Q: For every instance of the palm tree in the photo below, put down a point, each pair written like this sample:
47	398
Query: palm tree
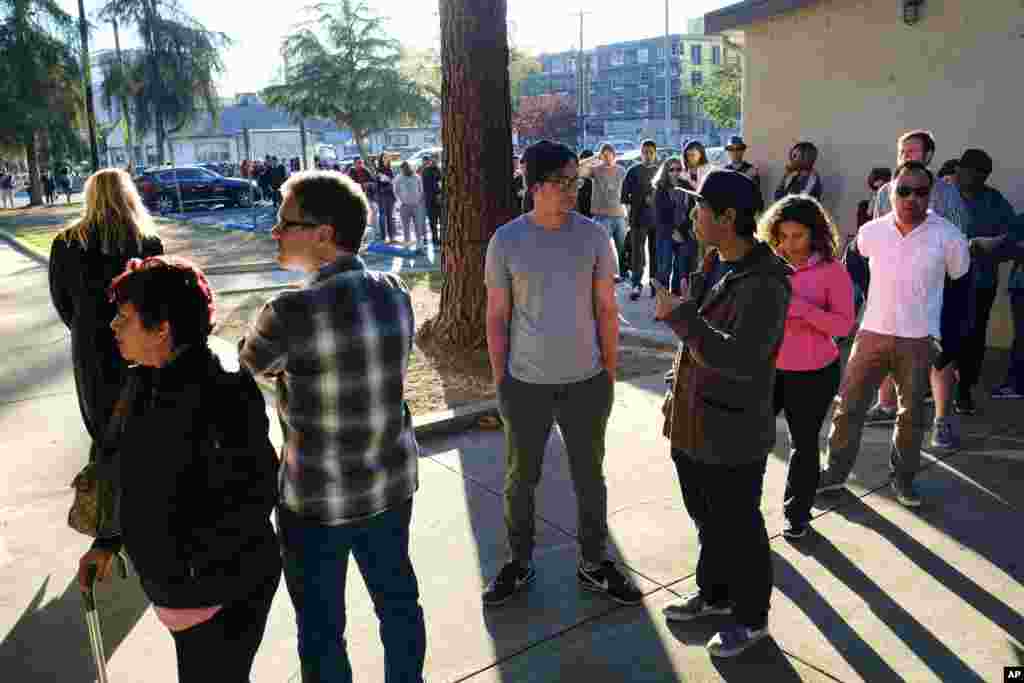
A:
182	60
40	80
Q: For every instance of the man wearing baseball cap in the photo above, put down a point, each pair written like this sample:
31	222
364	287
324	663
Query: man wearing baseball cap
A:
991	217
719	413
737	149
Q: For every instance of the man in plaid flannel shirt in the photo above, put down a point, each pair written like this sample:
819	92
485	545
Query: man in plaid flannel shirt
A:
339	350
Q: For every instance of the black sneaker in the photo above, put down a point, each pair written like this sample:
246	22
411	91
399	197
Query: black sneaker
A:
512	578
610	581
794	531
964	405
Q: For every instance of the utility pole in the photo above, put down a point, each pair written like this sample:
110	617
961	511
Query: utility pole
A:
581	85
668	82
90	110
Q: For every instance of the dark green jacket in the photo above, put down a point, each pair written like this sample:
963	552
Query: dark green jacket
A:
719	410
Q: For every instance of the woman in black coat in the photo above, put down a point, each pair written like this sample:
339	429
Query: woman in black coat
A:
192	475
84	258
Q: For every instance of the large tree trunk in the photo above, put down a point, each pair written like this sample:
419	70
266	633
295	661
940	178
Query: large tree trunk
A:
35	191
476	116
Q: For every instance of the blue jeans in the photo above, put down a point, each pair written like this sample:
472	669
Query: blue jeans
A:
616	227
675	259
315	565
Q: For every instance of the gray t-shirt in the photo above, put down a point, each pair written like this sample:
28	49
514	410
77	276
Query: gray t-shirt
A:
607	193
553	332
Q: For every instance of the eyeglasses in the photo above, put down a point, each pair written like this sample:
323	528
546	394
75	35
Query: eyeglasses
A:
905	191
564	182
675	169
284	225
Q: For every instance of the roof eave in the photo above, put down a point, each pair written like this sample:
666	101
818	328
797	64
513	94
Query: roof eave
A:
749	12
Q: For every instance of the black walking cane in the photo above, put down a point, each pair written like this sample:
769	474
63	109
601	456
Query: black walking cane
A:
92	617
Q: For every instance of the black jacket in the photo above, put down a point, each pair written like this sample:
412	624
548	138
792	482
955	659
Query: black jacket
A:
431	184
638	193
584	196
197	478
78	288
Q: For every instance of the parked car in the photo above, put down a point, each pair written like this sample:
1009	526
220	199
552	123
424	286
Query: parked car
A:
159	188
717	156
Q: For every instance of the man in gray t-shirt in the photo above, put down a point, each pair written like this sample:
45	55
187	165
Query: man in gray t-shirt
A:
552	337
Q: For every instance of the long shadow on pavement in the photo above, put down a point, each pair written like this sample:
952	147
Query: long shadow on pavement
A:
534	635
49	642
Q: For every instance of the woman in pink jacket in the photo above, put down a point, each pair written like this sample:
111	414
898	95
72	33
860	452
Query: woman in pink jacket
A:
807	368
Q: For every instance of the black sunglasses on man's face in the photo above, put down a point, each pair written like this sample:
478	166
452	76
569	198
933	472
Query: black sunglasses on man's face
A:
905	191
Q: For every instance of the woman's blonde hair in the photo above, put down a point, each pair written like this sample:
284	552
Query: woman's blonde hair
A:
114	214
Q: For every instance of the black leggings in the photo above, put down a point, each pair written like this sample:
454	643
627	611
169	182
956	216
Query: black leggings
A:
222	649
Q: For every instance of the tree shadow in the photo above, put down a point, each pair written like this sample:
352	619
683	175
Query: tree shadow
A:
50	642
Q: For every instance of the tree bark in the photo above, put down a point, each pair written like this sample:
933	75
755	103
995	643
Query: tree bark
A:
129	138
476	124
35	191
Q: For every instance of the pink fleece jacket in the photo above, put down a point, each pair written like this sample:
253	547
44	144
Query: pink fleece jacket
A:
820	308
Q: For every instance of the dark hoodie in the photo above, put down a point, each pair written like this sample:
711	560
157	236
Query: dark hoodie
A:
719	410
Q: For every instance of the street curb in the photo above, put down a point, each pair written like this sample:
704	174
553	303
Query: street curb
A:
235	268
444	422
23	248
648	337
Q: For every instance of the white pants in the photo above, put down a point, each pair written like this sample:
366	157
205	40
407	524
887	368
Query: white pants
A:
7	199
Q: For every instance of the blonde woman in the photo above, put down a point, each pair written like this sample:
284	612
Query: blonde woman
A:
85	257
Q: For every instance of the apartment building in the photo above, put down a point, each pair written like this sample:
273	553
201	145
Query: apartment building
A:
622	85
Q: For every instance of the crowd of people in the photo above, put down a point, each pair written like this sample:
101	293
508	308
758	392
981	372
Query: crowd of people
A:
54	183
758	298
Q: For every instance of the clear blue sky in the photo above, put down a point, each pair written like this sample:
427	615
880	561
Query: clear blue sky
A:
257	28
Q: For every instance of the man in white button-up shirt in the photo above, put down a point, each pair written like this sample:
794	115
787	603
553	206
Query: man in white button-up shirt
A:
911	251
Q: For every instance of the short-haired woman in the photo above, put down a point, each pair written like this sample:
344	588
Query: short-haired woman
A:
676	248
193	475
113	228
807	367
801	178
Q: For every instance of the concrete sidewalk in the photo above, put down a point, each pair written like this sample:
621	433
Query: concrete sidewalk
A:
877	593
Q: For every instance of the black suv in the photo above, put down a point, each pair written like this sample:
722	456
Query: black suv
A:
159	188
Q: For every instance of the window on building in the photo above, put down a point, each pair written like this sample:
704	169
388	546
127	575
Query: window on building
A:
695	54
645	76
661	53
617	82
618	57
619	105
641	55
676	48
716	54
593	63
642	106
696	78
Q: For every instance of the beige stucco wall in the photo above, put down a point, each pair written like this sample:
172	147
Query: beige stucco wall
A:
850	76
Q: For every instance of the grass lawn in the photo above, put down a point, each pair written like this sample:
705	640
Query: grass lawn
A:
37	239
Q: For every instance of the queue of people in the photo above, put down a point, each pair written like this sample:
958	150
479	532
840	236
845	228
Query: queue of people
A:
756	298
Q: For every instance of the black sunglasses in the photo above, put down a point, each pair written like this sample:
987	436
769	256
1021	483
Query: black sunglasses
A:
905	191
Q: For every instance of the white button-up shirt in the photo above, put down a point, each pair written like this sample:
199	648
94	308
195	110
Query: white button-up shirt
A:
908	274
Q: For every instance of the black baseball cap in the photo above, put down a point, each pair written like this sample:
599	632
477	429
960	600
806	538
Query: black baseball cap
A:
736	142
727	190
977	159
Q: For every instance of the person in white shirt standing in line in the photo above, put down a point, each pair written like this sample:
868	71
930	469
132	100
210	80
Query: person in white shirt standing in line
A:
409	189
911	250
945	200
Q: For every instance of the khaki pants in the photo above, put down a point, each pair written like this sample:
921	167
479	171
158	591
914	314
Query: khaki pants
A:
873	357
